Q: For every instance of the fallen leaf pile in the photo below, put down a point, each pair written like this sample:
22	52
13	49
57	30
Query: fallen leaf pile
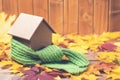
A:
103	51
105	48
87	42
5	24
38	73
114	74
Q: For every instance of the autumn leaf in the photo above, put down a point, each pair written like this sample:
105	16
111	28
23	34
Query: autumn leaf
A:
82	43
36	73
57	39
117	49
5	24
84	77
92	70
4	63
109	57
110	35
107	46
14	67
4	51
104	67
114	74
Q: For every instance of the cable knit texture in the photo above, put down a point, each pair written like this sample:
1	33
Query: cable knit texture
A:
50	56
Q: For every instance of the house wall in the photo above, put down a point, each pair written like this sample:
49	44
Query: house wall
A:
68	16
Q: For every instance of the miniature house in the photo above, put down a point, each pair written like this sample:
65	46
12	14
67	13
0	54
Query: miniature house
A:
32	31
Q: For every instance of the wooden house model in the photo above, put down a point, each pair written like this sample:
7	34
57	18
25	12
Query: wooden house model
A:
32	31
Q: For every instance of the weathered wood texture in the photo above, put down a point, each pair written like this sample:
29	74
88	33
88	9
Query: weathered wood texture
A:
0	5
100	16
41	8
56	15
70	16
10	7
86	14
114	14
25	6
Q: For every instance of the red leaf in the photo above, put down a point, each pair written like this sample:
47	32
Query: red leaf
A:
29	72
35	69
62	45
35	77
55	73
107	46
28	77
36	73
45	76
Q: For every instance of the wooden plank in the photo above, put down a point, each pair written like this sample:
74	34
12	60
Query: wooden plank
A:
0	5
56	15
25	6
100	16
114	12
115	5
41	8
65	25
85	16
114	22
70	16
10	7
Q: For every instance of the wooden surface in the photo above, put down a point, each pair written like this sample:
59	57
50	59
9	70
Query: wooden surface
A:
41	8
25	6
86	16
100	16
70	16
10	7
0	5
56	15
114	21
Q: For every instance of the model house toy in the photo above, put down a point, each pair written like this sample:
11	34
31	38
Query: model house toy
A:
32	31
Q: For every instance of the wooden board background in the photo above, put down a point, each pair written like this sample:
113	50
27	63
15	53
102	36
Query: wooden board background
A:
114	15
70	16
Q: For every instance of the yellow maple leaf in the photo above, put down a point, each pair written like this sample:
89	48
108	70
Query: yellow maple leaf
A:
92	70
57	39
4	62
116	69
107	57
4	51
114	74
117	49
75	78
84	76
5	24
111	35
14	67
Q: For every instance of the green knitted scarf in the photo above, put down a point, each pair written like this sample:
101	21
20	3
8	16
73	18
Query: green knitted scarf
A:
50	56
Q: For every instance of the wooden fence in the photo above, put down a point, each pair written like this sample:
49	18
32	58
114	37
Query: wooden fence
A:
66	16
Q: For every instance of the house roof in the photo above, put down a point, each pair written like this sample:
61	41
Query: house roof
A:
25	26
